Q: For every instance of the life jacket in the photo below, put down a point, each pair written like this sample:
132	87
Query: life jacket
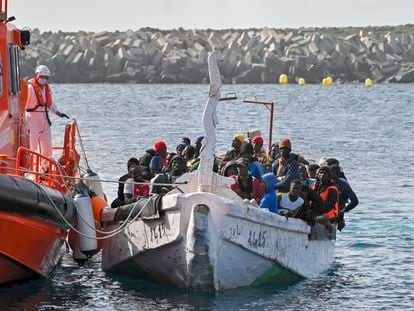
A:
333	213
41	102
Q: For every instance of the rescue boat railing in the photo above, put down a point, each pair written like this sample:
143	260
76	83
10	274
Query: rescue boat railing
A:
36	164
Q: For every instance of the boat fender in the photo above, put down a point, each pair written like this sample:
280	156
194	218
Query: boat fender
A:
93	182
77	255
85	224
98	204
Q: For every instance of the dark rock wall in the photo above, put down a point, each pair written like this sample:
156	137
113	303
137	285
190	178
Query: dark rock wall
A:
384	54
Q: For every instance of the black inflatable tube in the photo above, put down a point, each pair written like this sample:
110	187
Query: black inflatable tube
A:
21	196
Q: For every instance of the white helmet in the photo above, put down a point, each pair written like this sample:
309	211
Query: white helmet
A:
42	70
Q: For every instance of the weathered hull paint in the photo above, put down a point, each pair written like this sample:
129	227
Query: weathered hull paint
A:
203	241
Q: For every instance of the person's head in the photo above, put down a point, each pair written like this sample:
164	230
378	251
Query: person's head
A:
180	149
132	161
303	173
243	167
135	172
156	165
257	142
332	161
189	152
335	171
295	188
229	169
246	151
42	74
324	175
186	141
274	150
312	169
178	166
170	156
237	141
160	147
146	158
285	147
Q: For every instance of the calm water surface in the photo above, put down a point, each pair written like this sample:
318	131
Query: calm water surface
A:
369	130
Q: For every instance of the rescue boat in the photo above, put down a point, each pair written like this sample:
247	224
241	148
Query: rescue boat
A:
37	209
203	236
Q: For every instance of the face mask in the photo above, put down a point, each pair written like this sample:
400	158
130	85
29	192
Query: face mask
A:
42	81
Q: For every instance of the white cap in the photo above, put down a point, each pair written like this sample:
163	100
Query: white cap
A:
42	70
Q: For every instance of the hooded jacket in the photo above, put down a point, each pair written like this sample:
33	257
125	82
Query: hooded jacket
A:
269	200
290	171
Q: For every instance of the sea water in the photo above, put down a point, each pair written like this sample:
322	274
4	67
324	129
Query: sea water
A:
369	130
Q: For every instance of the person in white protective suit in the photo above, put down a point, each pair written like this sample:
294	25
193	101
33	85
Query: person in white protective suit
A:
39	103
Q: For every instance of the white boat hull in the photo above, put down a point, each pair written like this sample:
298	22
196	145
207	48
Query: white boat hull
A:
203	241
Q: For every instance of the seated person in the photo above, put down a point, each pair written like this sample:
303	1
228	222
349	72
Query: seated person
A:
269	199
134	186
177	167
256	168
347	197
159	177
286	168
180	149
289	203
246	186
236	144
259	153
328	192
229	169
120	200
273	156
144	162
188	154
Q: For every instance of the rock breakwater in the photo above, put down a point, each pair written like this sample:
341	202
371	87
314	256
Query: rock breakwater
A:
384	54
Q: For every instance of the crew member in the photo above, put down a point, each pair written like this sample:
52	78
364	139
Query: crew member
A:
39	103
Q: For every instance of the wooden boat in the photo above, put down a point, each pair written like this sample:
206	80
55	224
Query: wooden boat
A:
36	209
202	235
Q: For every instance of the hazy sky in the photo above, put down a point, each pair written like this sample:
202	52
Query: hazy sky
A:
94	15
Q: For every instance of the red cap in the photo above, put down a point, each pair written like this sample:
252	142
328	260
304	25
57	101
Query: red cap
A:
160	145
258	139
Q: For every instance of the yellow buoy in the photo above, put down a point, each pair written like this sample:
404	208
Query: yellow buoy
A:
329	80
324	82
301	81
368	82
283	79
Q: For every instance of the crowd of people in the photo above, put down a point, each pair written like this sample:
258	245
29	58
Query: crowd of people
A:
278	180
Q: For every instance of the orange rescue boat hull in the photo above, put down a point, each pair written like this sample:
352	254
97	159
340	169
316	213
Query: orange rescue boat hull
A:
28	247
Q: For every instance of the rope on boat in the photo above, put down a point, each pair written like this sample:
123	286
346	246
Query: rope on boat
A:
108	234
81	145
91	179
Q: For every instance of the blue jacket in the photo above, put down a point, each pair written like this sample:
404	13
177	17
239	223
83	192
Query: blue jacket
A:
269	200
346	194
290	171
257	170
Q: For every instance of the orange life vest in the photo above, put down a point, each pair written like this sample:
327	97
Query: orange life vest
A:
39	94
333	213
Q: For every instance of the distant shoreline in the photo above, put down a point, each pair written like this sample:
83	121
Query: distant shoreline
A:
149	55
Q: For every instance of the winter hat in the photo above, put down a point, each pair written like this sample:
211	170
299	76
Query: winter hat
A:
258	139
156	163
239	137
160	145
